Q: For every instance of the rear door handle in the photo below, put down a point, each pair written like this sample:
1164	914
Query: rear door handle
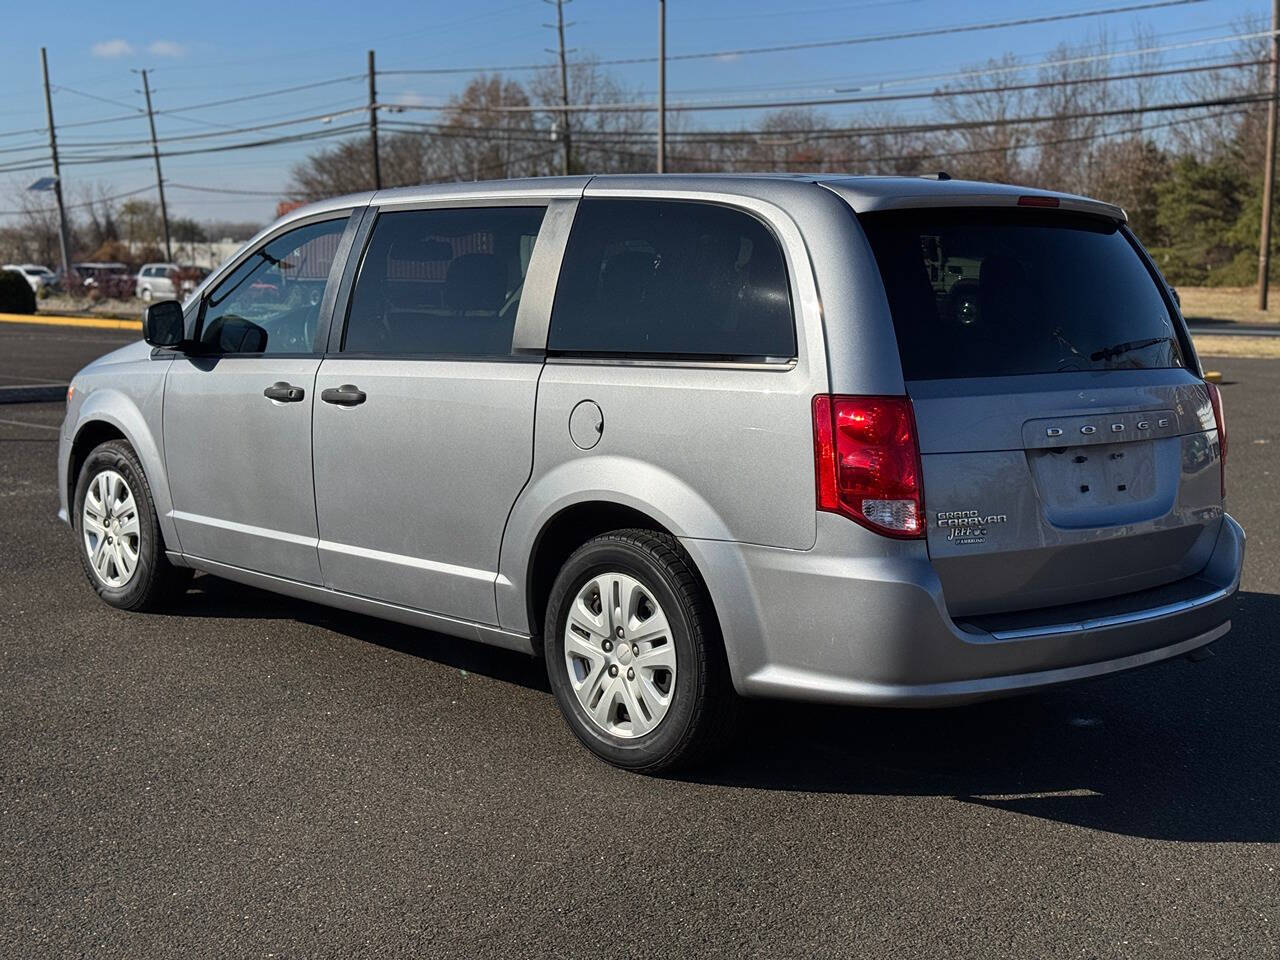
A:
284	392
347	395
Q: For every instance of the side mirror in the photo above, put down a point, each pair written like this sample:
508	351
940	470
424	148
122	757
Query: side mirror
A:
163	324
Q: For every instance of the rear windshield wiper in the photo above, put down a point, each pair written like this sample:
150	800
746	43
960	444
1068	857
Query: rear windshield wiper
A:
1108	353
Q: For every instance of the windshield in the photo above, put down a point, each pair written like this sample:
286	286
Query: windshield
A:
998	292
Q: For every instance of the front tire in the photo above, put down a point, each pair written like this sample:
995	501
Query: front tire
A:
634	654
118	533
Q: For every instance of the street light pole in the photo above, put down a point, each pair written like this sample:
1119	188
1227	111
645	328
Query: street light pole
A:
57	174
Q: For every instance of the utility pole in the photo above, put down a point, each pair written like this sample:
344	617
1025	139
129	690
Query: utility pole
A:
1268	177
57	175
662	86
564	89
373	123
155	152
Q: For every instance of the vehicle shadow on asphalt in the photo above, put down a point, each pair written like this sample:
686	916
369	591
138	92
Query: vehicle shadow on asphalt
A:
212	596
1178	751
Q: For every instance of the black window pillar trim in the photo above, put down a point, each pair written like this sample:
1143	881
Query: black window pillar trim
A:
360	228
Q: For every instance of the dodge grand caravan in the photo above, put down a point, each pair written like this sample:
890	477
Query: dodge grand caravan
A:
891	441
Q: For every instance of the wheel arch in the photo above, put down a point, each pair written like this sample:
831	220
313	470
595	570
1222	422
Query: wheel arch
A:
90	434
572	504
562	534
111	414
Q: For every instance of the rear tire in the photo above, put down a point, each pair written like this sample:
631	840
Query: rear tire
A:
634	654
118	534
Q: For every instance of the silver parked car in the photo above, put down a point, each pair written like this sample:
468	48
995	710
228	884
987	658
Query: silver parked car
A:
887	441
166	281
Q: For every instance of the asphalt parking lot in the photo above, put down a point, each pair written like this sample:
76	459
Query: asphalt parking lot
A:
252	776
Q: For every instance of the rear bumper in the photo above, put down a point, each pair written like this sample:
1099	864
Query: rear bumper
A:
859	619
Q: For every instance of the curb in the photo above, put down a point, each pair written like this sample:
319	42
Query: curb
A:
49	320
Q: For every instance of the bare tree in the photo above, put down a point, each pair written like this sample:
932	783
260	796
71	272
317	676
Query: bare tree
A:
101	216
488	134
33	235
988	146
603	140
406	158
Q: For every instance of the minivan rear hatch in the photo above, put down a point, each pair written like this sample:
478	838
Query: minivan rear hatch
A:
1067	444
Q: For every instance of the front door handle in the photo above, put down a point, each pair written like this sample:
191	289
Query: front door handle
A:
284	392
347	395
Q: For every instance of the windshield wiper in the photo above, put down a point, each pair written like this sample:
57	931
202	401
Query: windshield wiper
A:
1109	353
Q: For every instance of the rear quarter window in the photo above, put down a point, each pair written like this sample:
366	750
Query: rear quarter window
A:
997	292
663	278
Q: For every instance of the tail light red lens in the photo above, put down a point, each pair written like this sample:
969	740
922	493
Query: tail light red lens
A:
1215	398
868	462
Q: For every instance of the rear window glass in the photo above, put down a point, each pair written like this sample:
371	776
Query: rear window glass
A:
669	278
985	293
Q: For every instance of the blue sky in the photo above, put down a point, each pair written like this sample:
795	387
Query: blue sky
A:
202	52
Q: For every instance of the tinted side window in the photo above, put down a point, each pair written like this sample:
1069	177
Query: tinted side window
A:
672	278
271	302
442	282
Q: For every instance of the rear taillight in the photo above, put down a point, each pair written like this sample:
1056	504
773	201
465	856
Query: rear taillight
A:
868	462
1215	398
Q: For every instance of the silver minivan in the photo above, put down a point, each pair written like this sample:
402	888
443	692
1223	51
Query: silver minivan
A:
889	441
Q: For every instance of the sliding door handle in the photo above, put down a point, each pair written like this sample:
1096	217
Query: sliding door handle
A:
284	392
346	395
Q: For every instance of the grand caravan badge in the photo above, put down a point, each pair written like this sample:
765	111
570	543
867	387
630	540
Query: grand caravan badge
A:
968	526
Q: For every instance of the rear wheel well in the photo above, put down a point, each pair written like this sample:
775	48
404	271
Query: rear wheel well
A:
91	435
566	532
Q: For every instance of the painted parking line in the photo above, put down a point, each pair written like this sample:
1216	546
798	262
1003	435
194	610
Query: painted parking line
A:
50	320
25	423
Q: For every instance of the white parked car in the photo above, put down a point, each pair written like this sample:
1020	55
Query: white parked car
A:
35	275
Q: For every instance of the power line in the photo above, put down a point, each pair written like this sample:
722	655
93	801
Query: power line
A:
267	93
248	193
710	136
706	136
746	134
753	138
979	151
984	71
819	44
687	107
77	206
219	148
174	111
60	88
184	137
